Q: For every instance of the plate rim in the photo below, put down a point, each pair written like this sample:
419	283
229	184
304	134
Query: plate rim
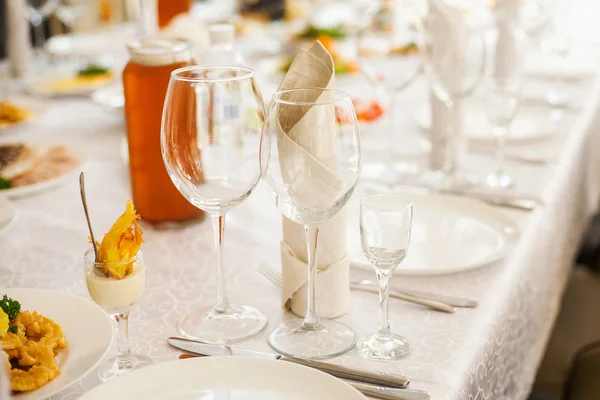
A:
488	261
201	360
85	373
15	214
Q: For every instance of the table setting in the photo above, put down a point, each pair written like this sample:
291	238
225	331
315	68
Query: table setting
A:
201	226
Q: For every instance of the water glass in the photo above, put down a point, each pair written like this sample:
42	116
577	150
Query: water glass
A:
310	158
385	227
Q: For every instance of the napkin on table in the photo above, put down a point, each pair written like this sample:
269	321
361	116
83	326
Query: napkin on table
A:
312	68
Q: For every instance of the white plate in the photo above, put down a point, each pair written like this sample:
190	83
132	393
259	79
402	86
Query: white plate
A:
110	97
231	378
528	126
87	328
8	215
36	84
35	106
29	190
449	234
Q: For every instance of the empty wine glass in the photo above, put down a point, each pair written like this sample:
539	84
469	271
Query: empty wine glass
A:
310	158
390	56
455	54
502	96
210	145
69	11
385	227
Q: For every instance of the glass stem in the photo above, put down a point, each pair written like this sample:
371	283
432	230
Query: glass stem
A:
391	129
500	133
218	224
124	356
383	280
311	319
38	30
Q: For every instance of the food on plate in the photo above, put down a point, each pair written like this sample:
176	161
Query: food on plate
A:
366	111
313	32
341	64
90	77
406	50
11	114
121	278
30	342
22	164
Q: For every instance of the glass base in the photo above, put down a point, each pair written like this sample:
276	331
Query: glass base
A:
374	347
209	326
498	181
398	173
441	180
112	367
330	340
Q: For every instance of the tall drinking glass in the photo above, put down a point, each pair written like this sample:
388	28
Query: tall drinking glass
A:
385	226
37	12
210	144
455	55
390	50
310	158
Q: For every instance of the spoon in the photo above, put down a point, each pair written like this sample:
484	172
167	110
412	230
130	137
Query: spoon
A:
87	214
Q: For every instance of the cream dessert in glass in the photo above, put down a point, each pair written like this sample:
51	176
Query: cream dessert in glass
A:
117	297
115	279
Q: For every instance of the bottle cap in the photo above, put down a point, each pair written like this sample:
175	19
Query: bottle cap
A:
221	34
159	51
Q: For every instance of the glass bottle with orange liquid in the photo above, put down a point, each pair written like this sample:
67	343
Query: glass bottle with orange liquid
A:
145	82
169	9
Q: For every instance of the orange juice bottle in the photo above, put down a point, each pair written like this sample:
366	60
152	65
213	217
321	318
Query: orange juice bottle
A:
168	9
145	82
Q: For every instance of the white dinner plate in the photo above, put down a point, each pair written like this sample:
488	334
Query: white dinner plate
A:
449	234
110	97
231	378
87	329
50	184
530	125
37	85
8	215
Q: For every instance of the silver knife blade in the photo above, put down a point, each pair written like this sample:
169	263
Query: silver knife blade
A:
205	349
383	393
517	202
375	378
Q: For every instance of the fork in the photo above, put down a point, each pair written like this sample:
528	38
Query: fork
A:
275	276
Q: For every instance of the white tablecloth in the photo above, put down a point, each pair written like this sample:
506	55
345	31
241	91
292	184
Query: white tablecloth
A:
488	352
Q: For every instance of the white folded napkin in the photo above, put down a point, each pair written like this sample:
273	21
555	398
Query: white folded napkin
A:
183	26
18	46
312	68
450	65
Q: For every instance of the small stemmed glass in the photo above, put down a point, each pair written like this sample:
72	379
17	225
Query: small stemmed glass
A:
117	297
210	145
385	227
37	11
71	10
310	158
390	56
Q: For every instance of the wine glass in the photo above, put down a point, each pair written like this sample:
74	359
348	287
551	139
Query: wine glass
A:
455	59
310	158
117	297
390	48
37	11
69	11
385	227
502	95
210	145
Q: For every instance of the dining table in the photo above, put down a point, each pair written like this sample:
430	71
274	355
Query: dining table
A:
488	352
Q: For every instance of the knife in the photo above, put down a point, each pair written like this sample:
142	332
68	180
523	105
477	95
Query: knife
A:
374	391
375	378
520	202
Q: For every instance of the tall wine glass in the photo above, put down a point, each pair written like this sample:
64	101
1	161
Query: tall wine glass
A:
385	227
455	55
210	145
69	11
310	158
390	56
